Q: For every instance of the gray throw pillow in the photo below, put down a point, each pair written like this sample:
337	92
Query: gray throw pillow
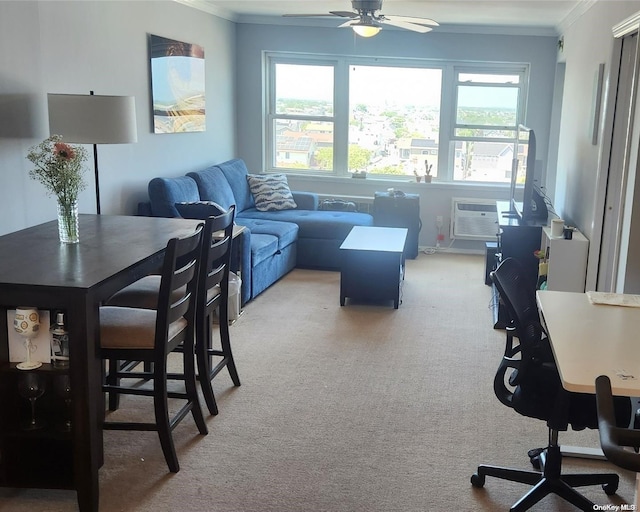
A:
271	192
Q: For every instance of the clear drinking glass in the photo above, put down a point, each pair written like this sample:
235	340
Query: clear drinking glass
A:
31	385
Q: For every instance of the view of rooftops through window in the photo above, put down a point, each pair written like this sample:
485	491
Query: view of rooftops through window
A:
394	121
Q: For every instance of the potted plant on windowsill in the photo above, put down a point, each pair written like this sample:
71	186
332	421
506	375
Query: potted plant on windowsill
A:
427	168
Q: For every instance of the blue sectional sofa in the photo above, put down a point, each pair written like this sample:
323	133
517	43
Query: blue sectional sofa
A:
275	241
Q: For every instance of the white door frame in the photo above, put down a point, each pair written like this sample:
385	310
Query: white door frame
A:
604	248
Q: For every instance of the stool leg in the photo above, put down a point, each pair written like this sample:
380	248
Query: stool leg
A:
203	345
225	340
113	380
161	409
191	387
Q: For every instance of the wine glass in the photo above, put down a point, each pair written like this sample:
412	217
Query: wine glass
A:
62	385
31	386
27	324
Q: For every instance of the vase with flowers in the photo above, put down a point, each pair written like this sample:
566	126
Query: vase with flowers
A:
60	168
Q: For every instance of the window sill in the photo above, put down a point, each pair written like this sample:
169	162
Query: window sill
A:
384	183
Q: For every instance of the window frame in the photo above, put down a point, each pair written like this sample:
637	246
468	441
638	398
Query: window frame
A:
448	106
521	70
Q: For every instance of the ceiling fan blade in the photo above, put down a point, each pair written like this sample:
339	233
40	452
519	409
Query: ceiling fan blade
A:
408	26
345	14
326	15
412	19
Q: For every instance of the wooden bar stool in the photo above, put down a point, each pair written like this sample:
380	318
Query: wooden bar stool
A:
150	335
212	296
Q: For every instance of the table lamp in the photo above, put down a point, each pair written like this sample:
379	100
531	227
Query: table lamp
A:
93	119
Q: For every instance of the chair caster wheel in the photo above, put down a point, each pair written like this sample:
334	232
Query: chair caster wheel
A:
610	489
534	458
477	480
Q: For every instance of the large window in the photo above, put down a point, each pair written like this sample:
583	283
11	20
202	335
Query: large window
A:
388	117
302	123
487	111
394	119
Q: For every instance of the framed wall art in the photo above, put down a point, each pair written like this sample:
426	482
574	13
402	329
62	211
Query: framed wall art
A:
177	84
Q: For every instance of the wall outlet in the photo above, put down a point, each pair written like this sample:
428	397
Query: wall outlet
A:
439	221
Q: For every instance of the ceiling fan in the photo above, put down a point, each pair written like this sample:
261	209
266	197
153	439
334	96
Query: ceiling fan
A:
366	23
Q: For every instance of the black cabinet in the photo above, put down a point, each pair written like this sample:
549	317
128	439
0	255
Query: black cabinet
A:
518	240
34	457
399	211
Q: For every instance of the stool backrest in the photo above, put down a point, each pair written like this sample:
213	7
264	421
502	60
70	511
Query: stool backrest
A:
213	281
178	286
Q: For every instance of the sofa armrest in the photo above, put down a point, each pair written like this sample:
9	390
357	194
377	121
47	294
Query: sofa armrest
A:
305	200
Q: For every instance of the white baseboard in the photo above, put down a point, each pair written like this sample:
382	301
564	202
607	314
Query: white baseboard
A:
450	250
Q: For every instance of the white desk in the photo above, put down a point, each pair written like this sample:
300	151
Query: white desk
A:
589	340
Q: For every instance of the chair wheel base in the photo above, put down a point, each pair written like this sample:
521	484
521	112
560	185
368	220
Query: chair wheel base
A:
535	457
477	480
610	489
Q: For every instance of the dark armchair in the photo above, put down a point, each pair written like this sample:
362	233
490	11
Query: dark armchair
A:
528	381
615	440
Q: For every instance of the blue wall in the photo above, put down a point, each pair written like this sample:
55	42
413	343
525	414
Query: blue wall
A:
253	39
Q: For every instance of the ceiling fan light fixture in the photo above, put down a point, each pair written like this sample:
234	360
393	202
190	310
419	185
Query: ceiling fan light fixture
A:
366	28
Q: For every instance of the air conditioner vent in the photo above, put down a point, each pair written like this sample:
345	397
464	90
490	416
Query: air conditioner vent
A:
473	219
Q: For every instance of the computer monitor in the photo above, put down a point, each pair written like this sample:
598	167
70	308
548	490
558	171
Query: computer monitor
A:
526	198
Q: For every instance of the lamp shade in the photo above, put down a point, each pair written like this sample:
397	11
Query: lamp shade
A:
93	119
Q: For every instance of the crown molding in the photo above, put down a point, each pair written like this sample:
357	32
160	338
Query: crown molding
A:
203	5
628	26
443	28
576	13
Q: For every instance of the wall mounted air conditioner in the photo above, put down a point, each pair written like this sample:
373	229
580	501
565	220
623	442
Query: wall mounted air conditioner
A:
473	219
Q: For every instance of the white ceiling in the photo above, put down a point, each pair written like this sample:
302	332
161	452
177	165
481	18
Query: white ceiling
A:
511	13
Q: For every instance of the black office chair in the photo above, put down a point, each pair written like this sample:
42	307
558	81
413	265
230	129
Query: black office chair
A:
615	440
136	334
528	381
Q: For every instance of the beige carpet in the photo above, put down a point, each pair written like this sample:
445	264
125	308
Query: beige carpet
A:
360	408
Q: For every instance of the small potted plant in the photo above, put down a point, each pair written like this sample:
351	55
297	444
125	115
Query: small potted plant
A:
418	177
427	168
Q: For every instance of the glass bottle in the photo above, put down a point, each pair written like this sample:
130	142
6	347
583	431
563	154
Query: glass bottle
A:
59	343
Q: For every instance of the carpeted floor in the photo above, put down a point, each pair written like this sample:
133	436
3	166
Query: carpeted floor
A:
360	408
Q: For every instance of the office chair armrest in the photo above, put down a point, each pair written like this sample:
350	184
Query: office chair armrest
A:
510	350
504	392
613	439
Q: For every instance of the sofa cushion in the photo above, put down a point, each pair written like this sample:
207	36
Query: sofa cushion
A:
235	171
271	192
213	186
262	247
199	209
285	232
314	223
164	193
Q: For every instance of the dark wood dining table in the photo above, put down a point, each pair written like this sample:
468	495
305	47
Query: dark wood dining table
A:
37	270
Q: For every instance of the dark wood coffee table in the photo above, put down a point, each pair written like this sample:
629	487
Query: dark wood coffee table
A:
372	264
